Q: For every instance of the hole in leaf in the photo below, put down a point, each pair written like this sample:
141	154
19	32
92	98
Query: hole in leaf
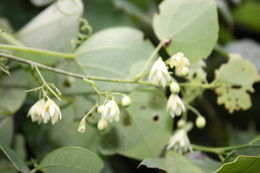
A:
194	75
156	118
66	83
236	87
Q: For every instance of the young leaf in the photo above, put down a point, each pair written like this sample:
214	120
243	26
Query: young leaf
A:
144	131
71	159
192	27
236	78
245	164
18	163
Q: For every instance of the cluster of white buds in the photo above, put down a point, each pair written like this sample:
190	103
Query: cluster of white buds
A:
181	63
44	111
159	74
179	142
109	113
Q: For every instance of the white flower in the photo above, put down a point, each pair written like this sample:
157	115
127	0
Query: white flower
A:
174	87
178	60
36	111
179	142
110	111
200	122
175	105
82	126
159	74
126	101
44	111
51	112
102	124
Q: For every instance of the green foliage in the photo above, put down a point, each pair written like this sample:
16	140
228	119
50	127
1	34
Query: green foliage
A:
243	164
53	29
96	67
247	15
132	137
191	25
12	92
16	160
175	163
6	130
248	49
71	159
112	52
233	89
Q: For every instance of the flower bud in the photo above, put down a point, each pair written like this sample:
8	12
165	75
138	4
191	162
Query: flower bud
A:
82	126
102	124
182	72
174	87
181	123
200	122
126	101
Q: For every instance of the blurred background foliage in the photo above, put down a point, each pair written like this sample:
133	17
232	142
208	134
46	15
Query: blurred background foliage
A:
239	33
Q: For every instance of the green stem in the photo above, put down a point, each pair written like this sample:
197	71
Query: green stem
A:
194	110
46	84
150	59
37	51
86	77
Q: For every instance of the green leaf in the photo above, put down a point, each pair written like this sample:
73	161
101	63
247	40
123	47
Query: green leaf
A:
112	52
248	49
191	25
143	130
65	132
15	159
12	92
6	130
175	163
233	89
247	15
243	164
6	167
71	159
53	29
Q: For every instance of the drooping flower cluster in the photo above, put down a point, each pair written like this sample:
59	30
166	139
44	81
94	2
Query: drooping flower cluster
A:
159	74
179	142
44	111
180	63
109	113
